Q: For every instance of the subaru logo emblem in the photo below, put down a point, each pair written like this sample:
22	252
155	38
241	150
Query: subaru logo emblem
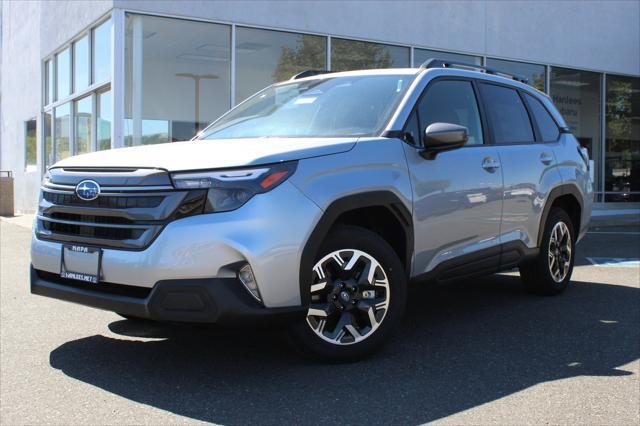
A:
88	190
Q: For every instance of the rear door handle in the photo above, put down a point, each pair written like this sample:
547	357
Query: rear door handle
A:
490	165
546	158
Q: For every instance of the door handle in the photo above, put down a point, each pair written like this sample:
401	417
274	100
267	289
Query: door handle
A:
546	158
490	165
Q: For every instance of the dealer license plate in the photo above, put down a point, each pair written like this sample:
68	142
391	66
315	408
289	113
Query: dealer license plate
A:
80	263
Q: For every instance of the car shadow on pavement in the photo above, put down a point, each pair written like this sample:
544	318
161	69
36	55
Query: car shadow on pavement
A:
461	345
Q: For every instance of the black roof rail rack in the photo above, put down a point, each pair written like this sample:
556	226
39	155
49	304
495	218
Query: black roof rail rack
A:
308	73
440	63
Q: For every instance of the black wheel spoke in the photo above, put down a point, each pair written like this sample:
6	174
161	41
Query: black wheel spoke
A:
349	297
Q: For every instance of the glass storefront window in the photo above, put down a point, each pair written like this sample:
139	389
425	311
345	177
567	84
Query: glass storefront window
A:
30	144
83	120
63	74
264	57
354	55
48	82
102	52
536	74
48	151
421	56
81	64
62	131
177	77
622	159
103	125
576	94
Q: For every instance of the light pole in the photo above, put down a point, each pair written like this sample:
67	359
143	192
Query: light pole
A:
196	78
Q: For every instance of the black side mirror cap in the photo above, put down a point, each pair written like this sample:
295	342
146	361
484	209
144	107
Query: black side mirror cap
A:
440	137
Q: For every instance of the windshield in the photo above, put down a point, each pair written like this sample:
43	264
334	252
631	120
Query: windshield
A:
330	107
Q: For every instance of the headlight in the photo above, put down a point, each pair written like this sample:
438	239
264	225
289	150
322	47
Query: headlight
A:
230	189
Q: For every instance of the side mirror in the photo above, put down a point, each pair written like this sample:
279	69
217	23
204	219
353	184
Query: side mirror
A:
440	137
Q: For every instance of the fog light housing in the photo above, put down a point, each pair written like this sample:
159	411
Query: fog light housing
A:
246	277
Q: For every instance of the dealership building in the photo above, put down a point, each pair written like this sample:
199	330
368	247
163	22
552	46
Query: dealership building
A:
82	76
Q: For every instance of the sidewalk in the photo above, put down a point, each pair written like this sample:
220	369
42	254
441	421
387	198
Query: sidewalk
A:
24	220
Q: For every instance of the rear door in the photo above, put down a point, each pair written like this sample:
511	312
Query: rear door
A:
528	163
458	194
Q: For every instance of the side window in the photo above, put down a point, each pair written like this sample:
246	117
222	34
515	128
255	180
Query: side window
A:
412	130
507	114
547	126
451	102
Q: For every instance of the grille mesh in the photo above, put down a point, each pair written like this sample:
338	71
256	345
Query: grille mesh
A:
109	202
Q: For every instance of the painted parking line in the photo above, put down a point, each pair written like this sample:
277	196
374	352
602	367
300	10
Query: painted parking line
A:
614	232
615	262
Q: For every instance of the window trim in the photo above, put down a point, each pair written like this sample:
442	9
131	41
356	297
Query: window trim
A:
540	139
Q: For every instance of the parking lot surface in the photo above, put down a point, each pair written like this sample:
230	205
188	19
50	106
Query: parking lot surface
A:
475	352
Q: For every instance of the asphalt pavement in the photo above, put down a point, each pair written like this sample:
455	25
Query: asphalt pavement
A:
475	352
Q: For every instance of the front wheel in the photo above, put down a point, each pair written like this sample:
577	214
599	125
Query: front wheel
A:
550	272
357	297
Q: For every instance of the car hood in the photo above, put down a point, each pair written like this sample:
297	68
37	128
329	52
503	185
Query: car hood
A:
212	154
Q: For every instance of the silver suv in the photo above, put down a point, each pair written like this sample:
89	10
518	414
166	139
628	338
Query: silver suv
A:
314	203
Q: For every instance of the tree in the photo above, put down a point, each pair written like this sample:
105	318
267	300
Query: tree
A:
310	53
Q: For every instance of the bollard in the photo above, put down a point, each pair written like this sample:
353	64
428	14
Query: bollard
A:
6	193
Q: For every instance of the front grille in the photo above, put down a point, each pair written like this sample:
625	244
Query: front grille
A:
93	232
116	220
110	288
107	202
131	210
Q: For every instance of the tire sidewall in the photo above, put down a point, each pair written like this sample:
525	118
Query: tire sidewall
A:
352	237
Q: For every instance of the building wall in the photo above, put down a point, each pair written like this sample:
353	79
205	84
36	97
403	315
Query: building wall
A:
20	88
53	23
596	35
553	32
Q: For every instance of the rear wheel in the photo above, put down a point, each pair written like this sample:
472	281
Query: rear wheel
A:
357	297
550	272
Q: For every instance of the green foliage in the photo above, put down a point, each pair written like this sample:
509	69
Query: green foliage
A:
310	53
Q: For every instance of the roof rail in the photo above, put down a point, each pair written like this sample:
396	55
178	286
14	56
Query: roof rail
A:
308	73
440	63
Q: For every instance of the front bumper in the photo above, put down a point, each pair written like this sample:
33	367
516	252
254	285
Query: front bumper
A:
269	233
221	301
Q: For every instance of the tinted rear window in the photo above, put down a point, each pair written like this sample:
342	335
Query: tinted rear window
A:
507	114
547	126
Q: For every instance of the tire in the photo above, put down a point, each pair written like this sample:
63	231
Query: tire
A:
550	273
359	316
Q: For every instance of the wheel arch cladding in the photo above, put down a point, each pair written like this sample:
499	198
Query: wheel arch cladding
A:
380	211
567	197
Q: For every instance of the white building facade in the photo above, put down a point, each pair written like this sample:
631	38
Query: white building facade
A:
83	76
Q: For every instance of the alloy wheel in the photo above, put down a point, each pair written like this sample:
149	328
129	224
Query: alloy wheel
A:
559	252
349	297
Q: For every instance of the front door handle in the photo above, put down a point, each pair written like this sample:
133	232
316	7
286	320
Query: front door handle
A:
546	158
490	165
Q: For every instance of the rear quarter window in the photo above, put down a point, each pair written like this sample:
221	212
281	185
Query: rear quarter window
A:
546	124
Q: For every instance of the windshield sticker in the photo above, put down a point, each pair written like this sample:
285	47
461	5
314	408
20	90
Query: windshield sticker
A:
305	100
